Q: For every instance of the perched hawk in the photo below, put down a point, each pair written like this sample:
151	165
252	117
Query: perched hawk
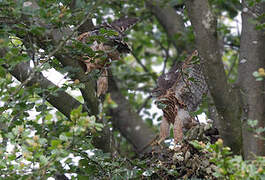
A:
111	45
179	92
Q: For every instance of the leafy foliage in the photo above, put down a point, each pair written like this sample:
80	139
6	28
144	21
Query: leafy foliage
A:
259	75
41	147
38	142
234	167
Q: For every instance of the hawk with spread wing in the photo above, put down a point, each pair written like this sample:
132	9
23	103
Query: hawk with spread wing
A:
112	47
179	92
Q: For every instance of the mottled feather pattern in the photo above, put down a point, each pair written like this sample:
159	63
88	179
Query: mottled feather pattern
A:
123	24
191	86
188	81
181	91
112	48
120	26
167	80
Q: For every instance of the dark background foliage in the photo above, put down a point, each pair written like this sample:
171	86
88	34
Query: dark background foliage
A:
50	129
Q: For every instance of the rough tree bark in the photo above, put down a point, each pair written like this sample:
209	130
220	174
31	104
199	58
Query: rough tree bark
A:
171	22
129	123
252	57
225	98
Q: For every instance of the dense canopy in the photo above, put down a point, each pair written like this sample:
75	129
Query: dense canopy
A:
83	108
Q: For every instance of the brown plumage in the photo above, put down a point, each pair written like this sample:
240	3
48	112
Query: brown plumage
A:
112	47
179	92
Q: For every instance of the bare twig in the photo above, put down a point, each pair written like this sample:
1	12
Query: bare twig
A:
166	51
232	67
139	62
142	65
144	104
166	58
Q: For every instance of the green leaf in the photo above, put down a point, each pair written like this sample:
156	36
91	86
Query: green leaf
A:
259	79
161	105
255	74
108	32
48	117
55	143
63	137
43	141
43	160
196	144
252	123
259	130
82	177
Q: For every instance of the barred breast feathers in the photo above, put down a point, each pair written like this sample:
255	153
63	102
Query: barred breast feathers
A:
186	80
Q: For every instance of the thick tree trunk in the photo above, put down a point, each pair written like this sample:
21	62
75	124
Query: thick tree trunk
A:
213	113
225	98
252	57
129	122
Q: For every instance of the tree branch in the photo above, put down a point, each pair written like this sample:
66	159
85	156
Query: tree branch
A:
63	102
171	22
129	123
139	62
144	104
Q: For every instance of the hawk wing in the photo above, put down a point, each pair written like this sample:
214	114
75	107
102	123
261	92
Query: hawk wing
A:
123	24
120	26
113	45
186	80
191	87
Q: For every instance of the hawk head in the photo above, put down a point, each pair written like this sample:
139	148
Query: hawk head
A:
166	80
